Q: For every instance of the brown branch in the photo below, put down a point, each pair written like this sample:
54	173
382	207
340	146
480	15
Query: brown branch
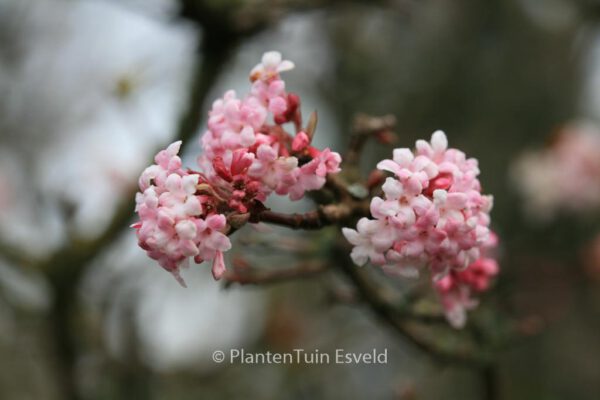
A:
342	213
317	219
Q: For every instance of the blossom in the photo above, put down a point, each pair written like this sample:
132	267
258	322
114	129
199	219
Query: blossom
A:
433	203
312	175
564	176
176	222
167	162
254	124
270	67
458	288
367	241
232	124
432	214
247	155
276	173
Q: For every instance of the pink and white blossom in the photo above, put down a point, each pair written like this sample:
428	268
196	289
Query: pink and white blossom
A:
174	224
457	290
433	202
254	124
247	155
432	214
270	66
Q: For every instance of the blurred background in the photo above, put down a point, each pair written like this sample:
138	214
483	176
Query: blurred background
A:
91	89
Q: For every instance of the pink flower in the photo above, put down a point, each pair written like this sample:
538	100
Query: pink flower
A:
270	67
413	173
368	242
233	123
312	175
242	124
174	225
247	155
300	142
167	162
210	238
565	176
218	268
432	214
458	288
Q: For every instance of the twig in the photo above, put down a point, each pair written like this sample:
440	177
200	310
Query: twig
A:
365	127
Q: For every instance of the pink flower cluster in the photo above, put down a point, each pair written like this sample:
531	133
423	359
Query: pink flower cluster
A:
563	176
247	155
432	213
175	221
253	125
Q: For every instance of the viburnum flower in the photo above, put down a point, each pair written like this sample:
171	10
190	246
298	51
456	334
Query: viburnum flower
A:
432	214
458	288
563	176
247	155
176	222
283	163
270	67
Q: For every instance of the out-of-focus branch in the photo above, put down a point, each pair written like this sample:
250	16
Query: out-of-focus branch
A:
251	16
248	275
389	312
14	255
65	267
365	127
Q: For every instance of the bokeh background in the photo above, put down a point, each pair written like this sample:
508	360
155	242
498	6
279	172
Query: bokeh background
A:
90	89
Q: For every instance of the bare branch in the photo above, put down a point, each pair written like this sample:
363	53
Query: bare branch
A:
256	276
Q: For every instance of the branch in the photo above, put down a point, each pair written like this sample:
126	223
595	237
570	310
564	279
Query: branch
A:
317	219
253	276
15	256
379	303
309	220
365	127
65	267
